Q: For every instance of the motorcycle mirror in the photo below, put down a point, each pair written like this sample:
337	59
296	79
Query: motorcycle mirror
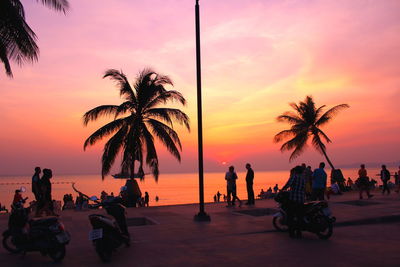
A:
22	189
94	198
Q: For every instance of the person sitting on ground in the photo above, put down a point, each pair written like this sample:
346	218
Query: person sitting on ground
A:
350	184
17	196
334	190
262	194
276	188
268	194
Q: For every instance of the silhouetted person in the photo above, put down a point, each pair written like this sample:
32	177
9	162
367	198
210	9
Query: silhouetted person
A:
218	196
363	181
35	184
46	202
146	199
319	182
294	206
308	176
276	188
385	177
231	178
17	196
249	185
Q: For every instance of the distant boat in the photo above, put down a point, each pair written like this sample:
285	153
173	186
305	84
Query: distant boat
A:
127	176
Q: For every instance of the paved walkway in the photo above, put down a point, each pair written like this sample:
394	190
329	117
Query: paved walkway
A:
366	235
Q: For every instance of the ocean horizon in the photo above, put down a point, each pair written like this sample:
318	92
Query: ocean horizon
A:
171	188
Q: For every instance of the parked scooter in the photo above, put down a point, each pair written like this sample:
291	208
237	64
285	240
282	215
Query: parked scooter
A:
46	235
109	234
317	217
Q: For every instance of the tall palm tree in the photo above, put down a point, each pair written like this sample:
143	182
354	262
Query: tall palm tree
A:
306	122
137	121
17	39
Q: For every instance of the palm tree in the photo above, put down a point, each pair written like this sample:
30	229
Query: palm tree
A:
137	121
306	122
17	39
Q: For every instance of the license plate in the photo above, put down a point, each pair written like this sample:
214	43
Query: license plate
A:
95	234
63	238
327	212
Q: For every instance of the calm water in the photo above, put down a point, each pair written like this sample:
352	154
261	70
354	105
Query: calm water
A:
171	188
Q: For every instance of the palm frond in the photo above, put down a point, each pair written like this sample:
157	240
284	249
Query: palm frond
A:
166	130
111	150
318	132
123	108
103	110
17	38
318	144
298	140
298	143
164	97
290	118
283	135
168	115
327	116
57	5
151	157
4	59
125	88
104	131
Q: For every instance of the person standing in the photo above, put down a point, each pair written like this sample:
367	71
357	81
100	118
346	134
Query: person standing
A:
46	201
218	196
231	178
319	182
385	177
308	176
36	184
296	184
363	181
249	185
146	199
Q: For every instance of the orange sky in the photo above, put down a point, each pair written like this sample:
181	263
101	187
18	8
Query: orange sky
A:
257	57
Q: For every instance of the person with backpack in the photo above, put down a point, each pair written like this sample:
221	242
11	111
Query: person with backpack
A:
385	177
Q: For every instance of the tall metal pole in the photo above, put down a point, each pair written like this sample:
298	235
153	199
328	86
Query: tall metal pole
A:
201	216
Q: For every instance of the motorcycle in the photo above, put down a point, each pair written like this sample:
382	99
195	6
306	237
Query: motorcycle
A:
109	234
46	235
317	217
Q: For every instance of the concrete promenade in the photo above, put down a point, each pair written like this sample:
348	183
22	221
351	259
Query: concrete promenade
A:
366	235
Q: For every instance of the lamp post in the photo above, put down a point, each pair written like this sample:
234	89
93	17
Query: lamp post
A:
201	216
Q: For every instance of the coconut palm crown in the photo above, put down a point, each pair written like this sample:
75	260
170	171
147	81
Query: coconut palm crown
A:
305	123
138	121
17	39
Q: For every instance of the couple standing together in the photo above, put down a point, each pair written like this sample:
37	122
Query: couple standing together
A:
41	188
231	178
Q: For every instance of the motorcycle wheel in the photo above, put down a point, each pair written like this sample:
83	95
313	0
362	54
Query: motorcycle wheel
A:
58	253
327	233
103	252
279	225
9	245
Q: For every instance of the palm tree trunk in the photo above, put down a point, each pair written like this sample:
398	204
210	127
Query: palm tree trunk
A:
327	158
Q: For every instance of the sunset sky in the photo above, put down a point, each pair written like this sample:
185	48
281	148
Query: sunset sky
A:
257	56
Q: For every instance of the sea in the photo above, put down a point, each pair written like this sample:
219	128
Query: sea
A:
171	189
